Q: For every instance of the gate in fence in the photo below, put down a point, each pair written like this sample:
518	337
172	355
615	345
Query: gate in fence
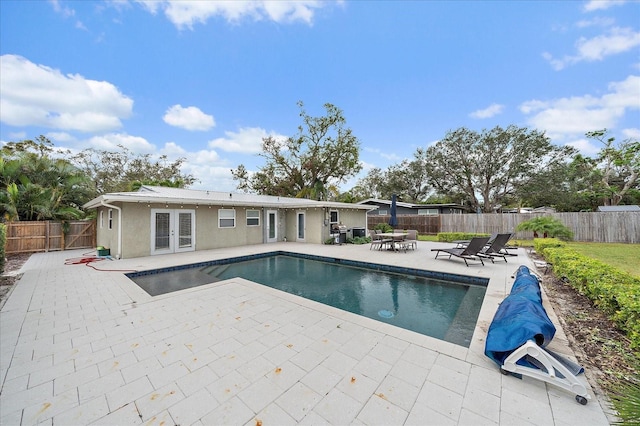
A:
43	236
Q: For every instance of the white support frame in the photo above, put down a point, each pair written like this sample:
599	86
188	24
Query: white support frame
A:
555	369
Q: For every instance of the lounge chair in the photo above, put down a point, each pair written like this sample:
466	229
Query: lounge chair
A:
496	248
470	252
464	243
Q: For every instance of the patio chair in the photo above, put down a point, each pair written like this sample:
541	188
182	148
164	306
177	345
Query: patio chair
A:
411	240
378	241
496	248
470	252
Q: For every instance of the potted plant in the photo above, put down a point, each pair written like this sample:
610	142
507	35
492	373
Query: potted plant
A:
547	226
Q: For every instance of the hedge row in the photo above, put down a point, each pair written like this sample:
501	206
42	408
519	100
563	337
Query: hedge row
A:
3	239
615	292
448	237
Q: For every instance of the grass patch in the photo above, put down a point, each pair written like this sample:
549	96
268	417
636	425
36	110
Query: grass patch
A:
432	238
621	256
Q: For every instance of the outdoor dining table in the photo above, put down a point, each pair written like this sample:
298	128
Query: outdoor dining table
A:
396	237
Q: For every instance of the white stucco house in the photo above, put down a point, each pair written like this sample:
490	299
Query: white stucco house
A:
160	220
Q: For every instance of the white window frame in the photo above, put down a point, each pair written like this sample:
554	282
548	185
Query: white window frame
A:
101	219
226	214
383	212
110	219
428	212
253	218
337	215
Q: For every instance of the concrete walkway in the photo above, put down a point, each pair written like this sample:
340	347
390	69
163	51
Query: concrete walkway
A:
81	346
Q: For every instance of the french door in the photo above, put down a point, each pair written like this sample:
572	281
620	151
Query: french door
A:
172	230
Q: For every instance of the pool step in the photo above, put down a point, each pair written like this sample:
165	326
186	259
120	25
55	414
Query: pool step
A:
214	270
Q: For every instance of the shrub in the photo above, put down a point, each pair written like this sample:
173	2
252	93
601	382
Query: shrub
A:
384	227
359	240
615	292
3	239
541	244
448	237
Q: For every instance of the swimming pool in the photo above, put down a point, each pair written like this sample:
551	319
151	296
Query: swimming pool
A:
443	306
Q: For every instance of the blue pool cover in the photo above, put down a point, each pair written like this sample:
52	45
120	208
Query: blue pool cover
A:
520	317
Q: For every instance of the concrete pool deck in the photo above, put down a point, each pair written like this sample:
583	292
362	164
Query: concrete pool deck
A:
81	346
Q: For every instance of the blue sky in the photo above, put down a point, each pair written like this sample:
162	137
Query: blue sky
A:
206	80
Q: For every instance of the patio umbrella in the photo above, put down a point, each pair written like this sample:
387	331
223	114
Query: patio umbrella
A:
393	220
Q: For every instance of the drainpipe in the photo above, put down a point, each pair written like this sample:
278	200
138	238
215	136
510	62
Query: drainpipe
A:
118	256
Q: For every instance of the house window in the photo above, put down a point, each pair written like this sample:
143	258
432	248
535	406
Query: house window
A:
426	212
253	217
101	218
383	212
226	218
110	219
333	216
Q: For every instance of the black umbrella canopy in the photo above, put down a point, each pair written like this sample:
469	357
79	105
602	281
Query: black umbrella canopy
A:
393	220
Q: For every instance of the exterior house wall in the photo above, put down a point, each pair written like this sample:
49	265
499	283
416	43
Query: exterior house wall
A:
384	209
209	235
353	218
137	232
106	237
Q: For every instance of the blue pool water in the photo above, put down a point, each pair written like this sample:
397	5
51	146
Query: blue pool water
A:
435	307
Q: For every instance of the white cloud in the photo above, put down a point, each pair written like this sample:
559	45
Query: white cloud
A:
633	133
585	146
190	118
187	13
601	4
110	142
60	137
597	21
490	111
62	10
616	40
36	95
577	115
248	140
173	150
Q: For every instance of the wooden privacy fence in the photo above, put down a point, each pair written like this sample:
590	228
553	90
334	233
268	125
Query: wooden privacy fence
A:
600	227
31	237
424	224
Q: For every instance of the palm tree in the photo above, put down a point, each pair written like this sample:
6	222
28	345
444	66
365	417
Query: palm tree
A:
547	226
39	187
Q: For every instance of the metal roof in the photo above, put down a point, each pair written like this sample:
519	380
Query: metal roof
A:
161	194
408	205
631	208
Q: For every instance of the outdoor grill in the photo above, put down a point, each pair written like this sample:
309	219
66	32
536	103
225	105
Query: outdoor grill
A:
339	233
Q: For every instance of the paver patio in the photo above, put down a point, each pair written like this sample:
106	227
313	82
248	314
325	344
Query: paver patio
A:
81	346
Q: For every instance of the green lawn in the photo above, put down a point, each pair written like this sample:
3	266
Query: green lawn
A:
625	257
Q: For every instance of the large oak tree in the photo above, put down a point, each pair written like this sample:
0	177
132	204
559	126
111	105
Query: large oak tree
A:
617	166
489	166
310	164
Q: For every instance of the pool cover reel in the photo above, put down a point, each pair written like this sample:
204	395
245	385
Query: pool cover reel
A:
519	333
